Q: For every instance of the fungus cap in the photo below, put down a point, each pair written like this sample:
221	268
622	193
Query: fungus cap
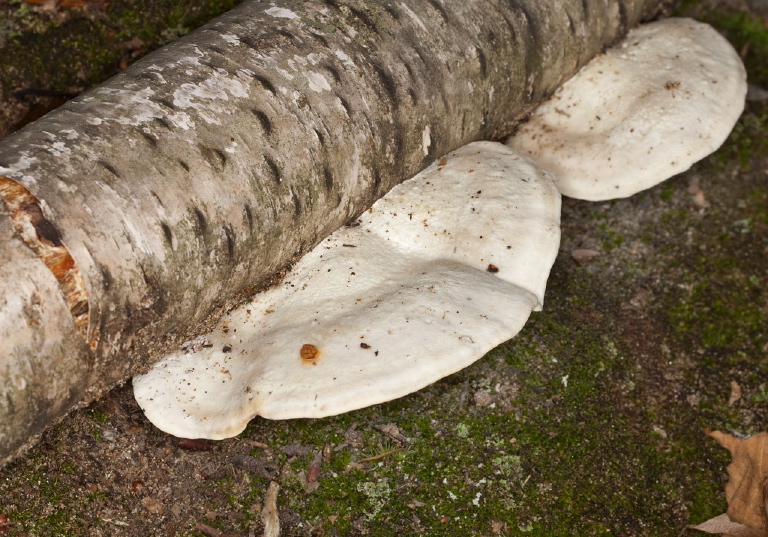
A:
647	109
442	269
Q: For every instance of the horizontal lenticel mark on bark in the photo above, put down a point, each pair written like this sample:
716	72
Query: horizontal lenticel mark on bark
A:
157	198
273	169
440	9
407	66
165	103
149	138
162	122
248	216
218	50
344	104
483	62
152	76
530	22
511	27
106	276
623	16
335	74
392	12
289	36
386	81
266	124
376	181
266	84
571	25
296	202
399	141
167	233
320	137
319	38
200	220
230	236
111	169
213	156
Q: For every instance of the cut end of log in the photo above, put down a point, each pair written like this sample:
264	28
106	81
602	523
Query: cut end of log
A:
43	238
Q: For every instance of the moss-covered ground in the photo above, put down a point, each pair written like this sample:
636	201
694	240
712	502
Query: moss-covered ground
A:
49	54
590	422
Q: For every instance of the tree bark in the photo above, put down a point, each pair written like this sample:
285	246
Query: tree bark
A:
137	213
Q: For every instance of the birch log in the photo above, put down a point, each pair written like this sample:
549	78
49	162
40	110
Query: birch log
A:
137	213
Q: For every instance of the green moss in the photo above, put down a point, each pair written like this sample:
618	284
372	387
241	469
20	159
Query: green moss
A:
98	416
746	30
749	34
749	139
69	54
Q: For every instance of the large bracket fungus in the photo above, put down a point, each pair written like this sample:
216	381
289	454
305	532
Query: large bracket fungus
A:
647	109
442	269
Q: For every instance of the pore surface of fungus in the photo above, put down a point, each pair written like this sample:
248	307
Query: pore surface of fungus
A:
647	109
438	272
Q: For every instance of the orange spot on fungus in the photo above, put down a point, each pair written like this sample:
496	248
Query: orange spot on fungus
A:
309	353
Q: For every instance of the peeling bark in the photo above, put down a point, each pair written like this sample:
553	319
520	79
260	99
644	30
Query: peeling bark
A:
138	212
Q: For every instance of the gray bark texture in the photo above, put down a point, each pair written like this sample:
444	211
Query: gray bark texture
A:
137	213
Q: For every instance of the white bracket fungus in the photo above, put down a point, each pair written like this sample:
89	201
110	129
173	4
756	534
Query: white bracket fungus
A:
647	109
441	270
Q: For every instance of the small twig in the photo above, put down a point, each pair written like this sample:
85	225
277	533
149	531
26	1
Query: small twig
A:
209	531
391	431
390	452
269	514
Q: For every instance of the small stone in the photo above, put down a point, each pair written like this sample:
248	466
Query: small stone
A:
482	399
296	450
498	526
756	93
153	505
735	393
313	473
700	201
584	255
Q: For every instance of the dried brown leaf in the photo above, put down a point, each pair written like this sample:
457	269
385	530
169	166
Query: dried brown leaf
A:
747	479
722	524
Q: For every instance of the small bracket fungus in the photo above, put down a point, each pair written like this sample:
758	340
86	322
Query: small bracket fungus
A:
445	267
647	109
